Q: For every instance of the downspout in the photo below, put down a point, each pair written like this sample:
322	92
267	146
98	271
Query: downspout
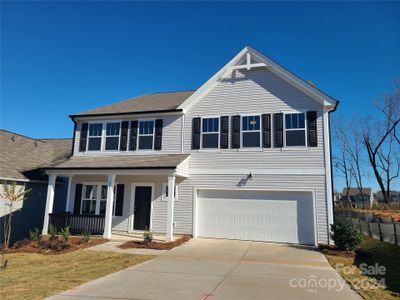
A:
330	152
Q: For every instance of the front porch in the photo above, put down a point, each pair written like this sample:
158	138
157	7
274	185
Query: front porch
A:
118	203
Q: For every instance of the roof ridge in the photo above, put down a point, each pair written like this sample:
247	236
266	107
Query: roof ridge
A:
22	135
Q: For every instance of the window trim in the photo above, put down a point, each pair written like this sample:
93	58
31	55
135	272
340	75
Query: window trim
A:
138	134
289	112
219	132
98	199
242	131
100	136
164	192
106	136
103	135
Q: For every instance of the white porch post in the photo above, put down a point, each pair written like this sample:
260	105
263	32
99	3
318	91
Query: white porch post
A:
49	202
67	203
109	206
170	211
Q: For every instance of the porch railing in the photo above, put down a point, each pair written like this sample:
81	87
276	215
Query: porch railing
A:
78	223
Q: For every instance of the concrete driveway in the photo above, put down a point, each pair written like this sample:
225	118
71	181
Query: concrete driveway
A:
223	269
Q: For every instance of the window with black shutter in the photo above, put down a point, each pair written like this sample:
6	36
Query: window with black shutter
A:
83	137
158	135
196	133
235	132
295	129
312	129
278	130
224	134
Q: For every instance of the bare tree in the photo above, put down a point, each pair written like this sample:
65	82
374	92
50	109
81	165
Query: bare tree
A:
342	163
11	195
381	139
354	149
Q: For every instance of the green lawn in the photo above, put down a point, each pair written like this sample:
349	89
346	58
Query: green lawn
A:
373	251
36	276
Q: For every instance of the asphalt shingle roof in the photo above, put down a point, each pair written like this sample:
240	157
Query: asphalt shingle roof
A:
120	162
147	103
21	156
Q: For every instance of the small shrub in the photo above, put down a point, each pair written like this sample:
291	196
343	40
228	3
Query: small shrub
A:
35	235
86	235
53	232
344	235
147	237
66	233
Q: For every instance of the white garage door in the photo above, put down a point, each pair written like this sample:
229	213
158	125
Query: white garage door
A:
256	215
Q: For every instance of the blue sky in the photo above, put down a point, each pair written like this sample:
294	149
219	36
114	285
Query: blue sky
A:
60	58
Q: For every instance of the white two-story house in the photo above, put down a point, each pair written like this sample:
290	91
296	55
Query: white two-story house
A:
246	156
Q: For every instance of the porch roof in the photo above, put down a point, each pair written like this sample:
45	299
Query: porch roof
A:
121	162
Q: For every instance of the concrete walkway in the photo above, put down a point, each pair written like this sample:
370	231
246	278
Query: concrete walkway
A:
222	269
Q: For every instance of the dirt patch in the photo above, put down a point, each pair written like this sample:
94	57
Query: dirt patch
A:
155	245
54	246
333	250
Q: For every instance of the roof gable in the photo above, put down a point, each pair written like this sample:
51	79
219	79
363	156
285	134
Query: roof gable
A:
249	58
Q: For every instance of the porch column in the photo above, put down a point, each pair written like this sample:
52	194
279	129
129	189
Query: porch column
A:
49	202
170	211
109	206
67	203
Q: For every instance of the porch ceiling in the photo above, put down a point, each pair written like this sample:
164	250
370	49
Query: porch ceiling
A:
120	162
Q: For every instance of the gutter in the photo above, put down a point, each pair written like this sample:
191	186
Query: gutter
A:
127	113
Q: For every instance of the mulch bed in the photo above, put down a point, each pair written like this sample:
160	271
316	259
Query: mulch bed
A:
333	250
155	245
53	246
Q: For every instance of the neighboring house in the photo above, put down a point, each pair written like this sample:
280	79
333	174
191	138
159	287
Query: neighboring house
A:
247	156
20	160
337	197
359	200
394	197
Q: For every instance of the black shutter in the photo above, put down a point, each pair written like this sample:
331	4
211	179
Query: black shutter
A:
224	131
83	138
278	125
266	130
119	201
235	132
78	196
196	133
124	136
312	128
158	134
133	135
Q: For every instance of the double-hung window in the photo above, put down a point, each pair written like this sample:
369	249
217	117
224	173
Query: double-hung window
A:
94	199
95	134
112	136
295	129
89	199
251	131
210	133
146	135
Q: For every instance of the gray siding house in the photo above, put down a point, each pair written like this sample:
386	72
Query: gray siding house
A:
21	158
246	156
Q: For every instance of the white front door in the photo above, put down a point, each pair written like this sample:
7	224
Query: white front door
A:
256	215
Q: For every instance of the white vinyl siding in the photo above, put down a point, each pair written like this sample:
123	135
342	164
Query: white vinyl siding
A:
257	92
171	137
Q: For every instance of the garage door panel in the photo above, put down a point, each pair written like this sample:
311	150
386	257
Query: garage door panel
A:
256	215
